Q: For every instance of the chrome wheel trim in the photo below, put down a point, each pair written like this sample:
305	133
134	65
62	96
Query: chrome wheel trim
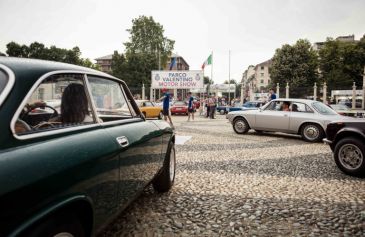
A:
64	234
311	132
350	156
172	164
240	126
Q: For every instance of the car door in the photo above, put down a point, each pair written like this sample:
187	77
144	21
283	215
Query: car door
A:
272	118
139	142
57	160
300	112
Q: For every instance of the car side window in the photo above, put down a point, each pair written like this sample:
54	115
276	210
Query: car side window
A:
274	106
148	104
60	101
109	99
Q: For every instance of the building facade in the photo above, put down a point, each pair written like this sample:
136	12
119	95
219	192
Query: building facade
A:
105	63
176	62
348	38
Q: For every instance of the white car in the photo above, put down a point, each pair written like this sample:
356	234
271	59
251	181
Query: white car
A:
296	116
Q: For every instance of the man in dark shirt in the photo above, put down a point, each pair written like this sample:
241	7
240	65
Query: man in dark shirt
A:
272	94
166	106
190	106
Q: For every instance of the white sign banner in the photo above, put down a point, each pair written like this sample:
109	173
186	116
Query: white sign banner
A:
177	79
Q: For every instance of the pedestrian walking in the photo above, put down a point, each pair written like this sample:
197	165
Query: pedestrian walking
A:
212	106
166	106
272	95
207	106
190	106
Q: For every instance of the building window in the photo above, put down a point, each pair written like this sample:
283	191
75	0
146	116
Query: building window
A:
262	68
262	74
262	81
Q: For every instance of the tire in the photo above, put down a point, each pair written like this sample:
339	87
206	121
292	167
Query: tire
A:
160	115
312	132
349	155
165	179
61	225
240	126
221	112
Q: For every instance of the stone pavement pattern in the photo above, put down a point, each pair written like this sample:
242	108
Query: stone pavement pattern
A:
248	185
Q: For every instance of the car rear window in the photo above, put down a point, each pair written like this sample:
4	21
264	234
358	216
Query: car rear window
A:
3	81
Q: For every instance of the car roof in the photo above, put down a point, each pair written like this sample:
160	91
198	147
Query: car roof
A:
295	100
34	68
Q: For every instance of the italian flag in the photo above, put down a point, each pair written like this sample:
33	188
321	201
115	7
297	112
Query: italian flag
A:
208	61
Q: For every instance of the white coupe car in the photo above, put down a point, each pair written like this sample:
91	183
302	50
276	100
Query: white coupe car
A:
296	116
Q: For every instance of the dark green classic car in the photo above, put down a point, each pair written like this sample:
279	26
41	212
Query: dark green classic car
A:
74	149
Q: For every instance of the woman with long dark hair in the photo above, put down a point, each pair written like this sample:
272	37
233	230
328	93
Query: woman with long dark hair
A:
74	105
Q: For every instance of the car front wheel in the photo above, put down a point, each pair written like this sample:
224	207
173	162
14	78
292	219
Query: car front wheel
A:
240	126
312	132
349	156
165	179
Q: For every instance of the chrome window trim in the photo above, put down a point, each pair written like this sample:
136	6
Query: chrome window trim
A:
90	97
29	94
9	85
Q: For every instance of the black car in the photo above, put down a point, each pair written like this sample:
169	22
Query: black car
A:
347	142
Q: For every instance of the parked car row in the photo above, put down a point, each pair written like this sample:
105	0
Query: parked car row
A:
68	171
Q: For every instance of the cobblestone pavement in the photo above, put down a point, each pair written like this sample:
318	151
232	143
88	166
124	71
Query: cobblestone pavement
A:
248	185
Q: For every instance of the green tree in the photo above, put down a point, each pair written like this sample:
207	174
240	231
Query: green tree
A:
40	51
342	63
147	46
296	64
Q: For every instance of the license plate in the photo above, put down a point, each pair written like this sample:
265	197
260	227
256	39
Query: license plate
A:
178	108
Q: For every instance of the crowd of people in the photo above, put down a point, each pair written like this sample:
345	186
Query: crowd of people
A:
207	108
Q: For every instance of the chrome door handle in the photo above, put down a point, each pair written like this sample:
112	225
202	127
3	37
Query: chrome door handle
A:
285	115
123	141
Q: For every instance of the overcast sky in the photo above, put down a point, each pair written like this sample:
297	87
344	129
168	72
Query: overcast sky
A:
251	29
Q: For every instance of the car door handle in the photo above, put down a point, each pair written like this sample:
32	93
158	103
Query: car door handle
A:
123	141
285	115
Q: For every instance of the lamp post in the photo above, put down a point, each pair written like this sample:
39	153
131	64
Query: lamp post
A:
315	91
354	96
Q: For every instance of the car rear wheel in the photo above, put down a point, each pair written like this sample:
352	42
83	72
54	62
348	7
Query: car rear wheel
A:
61	225
240	126
165	179
312	132
160	115
349	156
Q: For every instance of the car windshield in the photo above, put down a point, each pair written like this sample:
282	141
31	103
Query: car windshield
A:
323	109
3	81
339	107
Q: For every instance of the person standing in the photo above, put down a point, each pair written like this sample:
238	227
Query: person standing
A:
166	106
212	107
272	95
207	106
190	106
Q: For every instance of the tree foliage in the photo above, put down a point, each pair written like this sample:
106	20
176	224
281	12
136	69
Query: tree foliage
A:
39	51
342	63
147	46
296	64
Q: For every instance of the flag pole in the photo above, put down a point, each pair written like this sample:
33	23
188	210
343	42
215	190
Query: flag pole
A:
211	69
229	77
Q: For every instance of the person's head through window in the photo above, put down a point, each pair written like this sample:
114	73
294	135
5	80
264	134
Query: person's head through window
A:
294	107
74	104
286	106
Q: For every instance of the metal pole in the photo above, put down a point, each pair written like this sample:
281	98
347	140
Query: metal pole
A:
287	90
363	90
241	93
229	77
354	96
277	90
